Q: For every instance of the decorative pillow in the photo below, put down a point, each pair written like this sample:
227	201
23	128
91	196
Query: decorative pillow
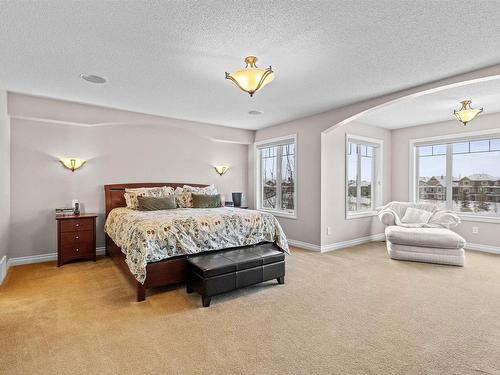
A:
416	216
206	201
210	189
184	198
156	204
444	219
157	192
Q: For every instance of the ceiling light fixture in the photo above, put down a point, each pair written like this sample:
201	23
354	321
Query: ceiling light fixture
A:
251	78
92	78
466	113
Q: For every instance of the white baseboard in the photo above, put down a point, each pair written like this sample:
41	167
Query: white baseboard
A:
305	245
353	242
3	268
41	258
5	263
337	245
483	248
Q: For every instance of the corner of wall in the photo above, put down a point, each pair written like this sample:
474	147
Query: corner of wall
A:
5	173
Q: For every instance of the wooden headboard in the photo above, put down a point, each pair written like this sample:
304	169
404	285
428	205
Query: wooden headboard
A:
114	193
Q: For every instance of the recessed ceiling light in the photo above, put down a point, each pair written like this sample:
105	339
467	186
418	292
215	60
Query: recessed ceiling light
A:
255	112
92	78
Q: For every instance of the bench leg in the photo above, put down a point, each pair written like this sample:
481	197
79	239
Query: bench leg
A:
206	301
281	279
141	292
189	290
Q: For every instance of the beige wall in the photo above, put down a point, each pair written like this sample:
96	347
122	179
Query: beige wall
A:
139	148
333	184
4	175
109	138
488	232
308	227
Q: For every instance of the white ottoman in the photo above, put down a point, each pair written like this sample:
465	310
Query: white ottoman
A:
430	245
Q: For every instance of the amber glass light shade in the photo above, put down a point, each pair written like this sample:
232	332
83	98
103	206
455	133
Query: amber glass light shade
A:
251	78
466	113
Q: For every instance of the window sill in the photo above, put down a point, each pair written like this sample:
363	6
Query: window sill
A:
280	213
478	218
360	215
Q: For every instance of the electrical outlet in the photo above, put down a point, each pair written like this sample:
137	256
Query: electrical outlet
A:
475	230
328	230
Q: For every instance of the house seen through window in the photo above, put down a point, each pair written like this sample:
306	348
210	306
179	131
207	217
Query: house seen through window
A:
462	176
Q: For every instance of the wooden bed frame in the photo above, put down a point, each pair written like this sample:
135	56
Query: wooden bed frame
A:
165	272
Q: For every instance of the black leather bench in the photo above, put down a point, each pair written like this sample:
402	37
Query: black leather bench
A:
215	273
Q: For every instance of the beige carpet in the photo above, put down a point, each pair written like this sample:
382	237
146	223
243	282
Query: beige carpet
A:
352	311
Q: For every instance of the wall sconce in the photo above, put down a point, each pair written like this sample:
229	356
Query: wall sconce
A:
221	169
72	163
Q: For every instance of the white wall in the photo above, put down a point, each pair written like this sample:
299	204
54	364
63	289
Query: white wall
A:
488	232
4	177
132	148
333	184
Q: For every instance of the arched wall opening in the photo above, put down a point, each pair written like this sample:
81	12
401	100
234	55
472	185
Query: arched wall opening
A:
339	229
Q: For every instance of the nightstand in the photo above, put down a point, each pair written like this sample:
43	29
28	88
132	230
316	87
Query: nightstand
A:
75	238
230	204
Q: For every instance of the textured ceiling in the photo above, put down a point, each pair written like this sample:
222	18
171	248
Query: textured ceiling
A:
435	106
169	58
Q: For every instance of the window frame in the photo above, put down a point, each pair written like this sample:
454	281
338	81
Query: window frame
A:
377	173
278	141
447	139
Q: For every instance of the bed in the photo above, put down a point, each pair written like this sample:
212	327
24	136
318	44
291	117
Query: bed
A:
152	247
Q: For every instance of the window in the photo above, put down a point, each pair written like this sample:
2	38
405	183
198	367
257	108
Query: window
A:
363	176
460	175
432	174
276	183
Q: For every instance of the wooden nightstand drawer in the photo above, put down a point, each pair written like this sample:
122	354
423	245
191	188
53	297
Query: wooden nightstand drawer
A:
76	238
71	225
79	237
75	249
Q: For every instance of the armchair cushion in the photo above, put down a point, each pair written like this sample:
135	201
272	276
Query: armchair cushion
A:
424	237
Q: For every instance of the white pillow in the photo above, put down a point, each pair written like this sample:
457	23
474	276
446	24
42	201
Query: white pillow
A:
157	192
416	216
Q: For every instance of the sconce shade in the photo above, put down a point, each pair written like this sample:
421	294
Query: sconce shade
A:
466	113
221	169
72	163
251	78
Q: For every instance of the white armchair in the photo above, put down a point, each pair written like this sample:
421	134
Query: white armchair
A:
419	232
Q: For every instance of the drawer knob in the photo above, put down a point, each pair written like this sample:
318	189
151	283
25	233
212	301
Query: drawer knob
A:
77	237
77	225
77	250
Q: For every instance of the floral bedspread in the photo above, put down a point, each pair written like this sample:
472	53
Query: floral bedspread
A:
150	236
